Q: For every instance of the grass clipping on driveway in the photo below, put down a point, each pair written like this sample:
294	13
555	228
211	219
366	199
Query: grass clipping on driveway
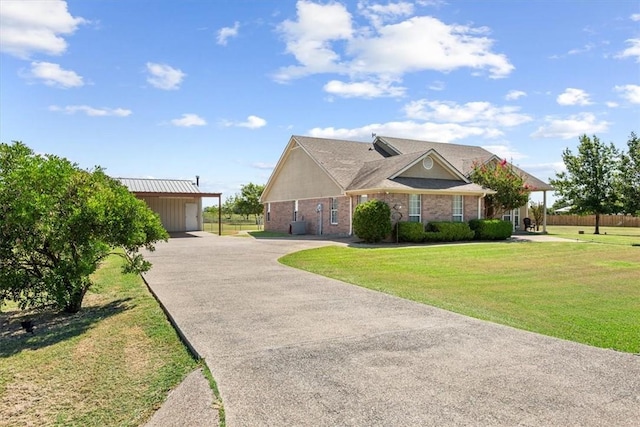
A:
112	363
588	293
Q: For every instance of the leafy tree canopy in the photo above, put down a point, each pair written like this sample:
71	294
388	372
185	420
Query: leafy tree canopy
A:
589	185
629	184
510	187
57	222
248	202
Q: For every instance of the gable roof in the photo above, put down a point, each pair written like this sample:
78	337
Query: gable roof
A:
164	187
461	157
358	166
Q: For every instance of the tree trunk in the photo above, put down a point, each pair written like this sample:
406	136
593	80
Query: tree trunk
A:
75	300
597	224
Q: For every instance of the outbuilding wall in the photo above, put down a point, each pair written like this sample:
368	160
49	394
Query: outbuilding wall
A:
172	211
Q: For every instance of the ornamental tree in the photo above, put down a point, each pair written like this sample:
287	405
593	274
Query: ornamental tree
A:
589	185
57	222
511	191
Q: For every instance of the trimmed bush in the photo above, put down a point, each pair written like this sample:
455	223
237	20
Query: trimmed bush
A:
434	237
491	229
372	221
451	231
410	232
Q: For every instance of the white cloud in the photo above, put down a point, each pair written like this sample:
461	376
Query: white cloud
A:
611	104
629	92
227	32
53	75
163	76
262	165
379	13
324	39
571	127
437	85
632	51
504	152
28	27
363	89
309	38
635	17
252	122
91	111
572	96
512	95
189	120
445	132
474	113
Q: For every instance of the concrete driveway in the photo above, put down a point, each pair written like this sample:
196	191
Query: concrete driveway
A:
290	348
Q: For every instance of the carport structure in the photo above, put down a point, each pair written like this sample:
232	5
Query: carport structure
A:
178	202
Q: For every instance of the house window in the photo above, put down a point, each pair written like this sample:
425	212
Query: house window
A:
268	211
295	210
362	199
512	216
414	207
458	208
334	211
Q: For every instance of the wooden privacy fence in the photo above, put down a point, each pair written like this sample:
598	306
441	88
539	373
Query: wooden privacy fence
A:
587	220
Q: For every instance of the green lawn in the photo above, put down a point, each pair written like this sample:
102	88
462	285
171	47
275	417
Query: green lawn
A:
610	235
112	363
589	293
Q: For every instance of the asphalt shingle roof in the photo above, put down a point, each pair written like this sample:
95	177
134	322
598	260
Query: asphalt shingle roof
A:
358	165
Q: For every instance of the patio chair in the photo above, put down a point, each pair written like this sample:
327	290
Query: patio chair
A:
528	225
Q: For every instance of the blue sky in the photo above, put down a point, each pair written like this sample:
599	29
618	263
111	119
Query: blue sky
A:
178	88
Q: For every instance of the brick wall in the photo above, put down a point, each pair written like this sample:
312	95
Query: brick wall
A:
282	215
434	208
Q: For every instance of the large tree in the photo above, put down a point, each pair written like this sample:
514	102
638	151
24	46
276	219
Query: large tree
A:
629	183
589	183
248	203
511	191
57	222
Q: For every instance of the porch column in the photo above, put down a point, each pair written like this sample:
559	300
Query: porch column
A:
544	212
480	207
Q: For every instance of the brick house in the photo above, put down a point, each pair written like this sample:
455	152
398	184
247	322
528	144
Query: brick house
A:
317	183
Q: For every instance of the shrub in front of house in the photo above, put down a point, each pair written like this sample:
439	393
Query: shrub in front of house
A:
450	231
372	221
434	237
491	229
412	232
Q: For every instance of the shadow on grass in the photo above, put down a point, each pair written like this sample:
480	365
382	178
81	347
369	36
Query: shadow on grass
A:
51	327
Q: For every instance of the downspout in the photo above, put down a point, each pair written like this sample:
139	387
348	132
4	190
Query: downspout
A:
350	215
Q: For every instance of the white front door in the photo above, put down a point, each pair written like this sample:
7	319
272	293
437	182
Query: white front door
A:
191	217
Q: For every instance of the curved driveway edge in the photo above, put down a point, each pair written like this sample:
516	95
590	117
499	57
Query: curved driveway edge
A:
287	347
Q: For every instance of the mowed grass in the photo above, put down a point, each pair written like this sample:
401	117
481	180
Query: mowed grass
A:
588	293
608	235
112	364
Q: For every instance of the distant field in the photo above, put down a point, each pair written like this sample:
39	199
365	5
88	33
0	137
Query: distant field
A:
231	229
